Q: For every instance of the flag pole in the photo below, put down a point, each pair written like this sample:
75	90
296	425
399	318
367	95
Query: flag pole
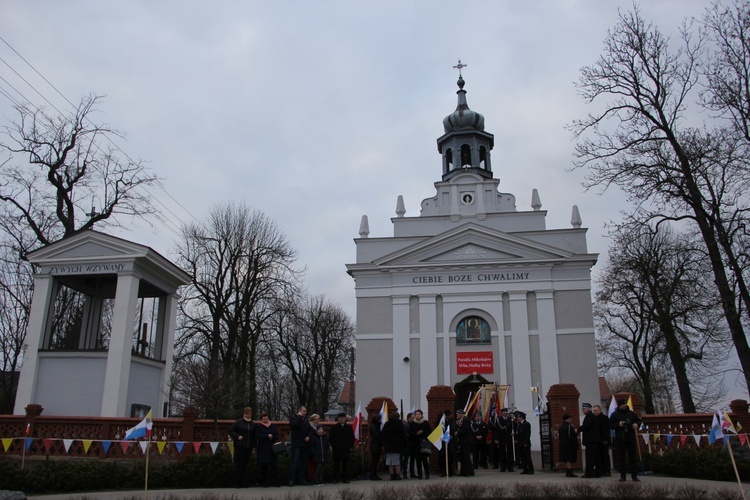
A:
734	464
148	449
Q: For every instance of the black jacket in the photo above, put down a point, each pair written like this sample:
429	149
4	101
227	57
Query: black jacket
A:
342	440
244	429
394	436
626	431
300	430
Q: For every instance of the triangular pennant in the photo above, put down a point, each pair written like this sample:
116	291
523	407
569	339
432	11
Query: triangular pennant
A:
230	445
697	439
144	446
27	443
179	445
645	437
125	445
86	445
160	445
656	437
106	445
743	438
214	445
48	444
6	443
669	439
66	444
197	445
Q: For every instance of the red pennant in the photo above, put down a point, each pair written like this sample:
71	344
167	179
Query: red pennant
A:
48	444
197	445
743	438
683	439
125	445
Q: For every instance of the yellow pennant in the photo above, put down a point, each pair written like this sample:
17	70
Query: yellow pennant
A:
86	445
160	445
231	448
6	443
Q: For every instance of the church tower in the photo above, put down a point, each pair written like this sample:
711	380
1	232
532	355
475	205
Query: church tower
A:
473	285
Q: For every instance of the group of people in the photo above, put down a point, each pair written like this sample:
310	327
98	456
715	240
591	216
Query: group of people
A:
310	447
596	433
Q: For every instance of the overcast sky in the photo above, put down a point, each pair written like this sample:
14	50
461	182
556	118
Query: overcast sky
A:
318	112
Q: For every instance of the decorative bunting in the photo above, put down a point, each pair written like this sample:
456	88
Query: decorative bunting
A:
669	439
197	445
179	445
105	446
160	445
66	444
656	437
214	445
683	439
230	445
645	438
86	445
125	445
48	444
6	443
697	438
27	443
743	438
144	446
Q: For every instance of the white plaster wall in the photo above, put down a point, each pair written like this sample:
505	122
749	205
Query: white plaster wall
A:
71	384
144	385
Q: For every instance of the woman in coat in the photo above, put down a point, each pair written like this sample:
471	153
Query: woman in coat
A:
568	445
394	443
266	435
419	429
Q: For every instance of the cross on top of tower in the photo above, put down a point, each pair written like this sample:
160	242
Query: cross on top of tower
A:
459	67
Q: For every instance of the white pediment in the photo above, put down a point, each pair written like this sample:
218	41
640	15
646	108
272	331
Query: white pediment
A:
88	245
473	244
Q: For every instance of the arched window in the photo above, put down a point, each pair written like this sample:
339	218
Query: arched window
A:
449	159
473	330
483	157
465	155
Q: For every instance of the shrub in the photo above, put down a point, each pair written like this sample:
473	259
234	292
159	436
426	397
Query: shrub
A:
701	463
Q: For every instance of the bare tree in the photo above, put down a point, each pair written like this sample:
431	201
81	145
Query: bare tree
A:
659	316
642	142
53	168
241	265
314	343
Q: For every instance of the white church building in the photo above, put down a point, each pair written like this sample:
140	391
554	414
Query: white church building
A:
473	285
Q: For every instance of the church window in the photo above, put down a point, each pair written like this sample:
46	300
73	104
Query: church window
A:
473	330
465	156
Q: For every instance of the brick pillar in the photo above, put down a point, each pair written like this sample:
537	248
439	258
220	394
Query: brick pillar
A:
32	411
439	399
189	416
739	413
561	399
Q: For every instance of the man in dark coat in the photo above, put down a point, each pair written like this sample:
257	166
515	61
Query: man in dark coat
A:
394	443
448	448
625	423
465	440
524	443
590	438
602	422
342	441
300	436
242	432
503	434
376	446
480	431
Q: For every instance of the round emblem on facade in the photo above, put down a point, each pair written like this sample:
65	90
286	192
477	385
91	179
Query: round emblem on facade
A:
467	198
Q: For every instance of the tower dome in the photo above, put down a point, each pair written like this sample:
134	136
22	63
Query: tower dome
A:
463	117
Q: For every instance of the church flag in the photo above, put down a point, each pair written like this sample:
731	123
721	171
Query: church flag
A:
436	435
142	429
630	403
726	423
612	406
383	414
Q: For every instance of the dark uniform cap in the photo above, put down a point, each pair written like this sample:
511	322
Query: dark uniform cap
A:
520	414
460	412
586	405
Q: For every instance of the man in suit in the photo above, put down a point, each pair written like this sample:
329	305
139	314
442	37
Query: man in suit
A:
341	440
524	443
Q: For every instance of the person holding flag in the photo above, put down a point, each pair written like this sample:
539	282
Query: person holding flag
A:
625	423
465	440
446	462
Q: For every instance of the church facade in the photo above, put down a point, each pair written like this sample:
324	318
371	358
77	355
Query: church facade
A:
473	285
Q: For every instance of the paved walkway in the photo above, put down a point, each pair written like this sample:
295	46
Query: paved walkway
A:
489	477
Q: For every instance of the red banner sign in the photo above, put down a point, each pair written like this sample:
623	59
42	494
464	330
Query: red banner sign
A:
474	362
